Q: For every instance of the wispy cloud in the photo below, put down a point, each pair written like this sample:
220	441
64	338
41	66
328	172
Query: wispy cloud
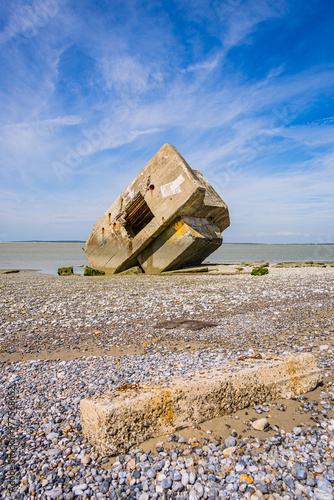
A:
245	18
95	92
49	123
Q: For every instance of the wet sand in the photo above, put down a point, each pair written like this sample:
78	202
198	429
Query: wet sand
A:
51	317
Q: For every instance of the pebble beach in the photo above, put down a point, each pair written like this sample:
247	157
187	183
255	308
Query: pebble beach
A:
68	338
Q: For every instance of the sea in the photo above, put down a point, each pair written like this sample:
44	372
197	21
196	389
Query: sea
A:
47	257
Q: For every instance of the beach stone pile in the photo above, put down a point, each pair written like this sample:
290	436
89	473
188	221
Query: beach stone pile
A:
43	453
53	460
285	310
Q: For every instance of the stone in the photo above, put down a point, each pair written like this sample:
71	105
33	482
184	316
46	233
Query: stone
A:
193	495
79	488
190	270
245	477
65	271
53	452
88	271
301	474
144	496
166	483
86	459
230	441
52	435
151	473
289	481
320	494
177	486
185	478
132	463
243	486
263	488
114	422
104	486
192	477
177	476
169	217
260	424
324	484
199	488
54	493
310	481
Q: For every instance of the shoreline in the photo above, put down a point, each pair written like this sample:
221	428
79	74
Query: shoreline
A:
228	267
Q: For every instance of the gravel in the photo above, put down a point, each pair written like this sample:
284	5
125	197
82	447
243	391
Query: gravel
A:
43	453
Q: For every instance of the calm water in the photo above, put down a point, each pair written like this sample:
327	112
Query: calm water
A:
47	257
272	253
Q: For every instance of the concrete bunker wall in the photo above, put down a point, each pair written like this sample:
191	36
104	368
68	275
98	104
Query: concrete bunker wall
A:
142	220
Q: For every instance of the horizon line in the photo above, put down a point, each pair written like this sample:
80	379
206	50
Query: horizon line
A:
224	243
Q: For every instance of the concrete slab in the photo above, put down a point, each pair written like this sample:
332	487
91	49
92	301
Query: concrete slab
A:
115	422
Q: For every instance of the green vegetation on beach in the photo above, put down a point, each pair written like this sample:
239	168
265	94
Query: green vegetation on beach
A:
89	271
65	271
259	271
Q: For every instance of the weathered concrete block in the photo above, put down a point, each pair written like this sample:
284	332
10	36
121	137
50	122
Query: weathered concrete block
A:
88	271
117	421
186	242
167	210
132	271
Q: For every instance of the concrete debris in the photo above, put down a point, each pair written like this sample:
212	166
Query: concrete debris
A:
115	422
169	217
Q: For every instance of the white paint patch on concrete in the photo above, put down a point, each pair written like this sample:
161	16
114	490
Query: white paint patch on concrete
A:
172	188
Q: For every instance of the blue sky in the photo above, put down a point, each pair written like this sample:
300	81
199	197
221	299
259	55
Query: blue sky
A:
90	90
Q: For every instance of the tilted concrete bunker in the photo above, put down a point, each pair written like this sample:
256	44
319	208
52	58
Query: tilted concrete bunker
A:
169	217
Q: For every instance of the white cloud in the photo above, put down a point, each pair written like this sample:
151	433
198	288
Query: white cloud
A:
129	76
240	133
208	65
47	124
241	18
27	18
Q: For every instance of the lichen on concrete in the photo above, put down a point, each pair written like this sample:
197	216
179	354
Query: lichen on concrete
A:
65	271
89	271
